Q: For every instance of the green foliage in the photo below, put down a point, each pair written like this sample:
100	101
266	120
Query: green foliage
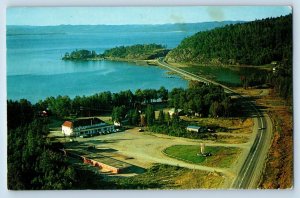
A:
253	43
156	177
193	100
80	55
216	109
32	162
135	52
19	113
133	117
184	152
205	100
162	93
178	129
282	80
61	105
161	117
167	118
96	104
150	115
123	98
202	99
118	113
148	95
197	99
90	105
221	156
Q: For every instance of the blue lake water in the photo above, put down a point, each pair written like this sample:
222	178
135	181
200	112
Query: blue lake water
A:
35	69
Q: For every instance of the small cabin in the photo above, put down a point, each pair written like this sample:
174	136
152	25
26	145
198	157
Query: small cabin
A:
117	124
193	128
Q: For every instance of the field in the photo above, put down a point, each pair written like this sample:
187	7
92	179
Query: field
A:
159	176
220	156
228	130
171	177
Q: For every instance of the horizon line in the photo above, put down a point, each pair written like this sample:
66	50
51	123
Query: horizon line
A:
215	21
132	23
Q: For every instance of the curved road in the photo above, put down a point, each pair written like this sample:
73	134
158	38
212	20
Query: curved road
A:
250	172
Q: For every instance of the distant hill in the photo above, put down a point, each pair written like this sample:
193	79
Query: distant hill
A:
69	29
252	43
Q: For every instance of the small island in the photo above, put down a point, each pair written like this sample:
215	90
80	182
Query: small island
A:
121	53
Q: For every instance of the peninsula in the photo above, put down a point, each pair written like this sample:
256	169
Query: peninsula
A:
122	53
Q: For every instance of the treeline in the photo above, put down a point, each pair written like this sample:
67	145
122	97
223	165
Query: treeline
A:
82	54
134	52
171	125
139	52
204	100
253	43
32	161
100	103
174	126
282	80
201	99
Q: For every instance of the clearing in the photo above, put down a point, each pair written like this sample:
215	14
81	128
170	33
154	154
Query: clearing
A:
144	150
220	156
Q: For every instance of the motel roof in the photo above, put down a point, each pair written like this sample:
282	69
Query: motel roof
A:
82	122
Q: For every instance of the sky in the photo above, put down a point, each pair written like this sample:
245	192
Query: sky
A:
48	16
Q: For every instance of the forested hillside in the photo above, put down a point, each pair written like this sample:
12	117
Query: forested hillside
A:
147	51
254	43
32	161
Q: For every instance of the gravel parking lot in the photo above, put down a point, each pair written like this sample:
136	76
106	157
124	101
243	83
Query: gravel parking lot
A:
142	149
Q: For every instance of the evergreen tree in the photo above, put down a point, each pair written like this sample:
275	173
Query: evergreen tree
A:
149	115
118	113
167	118
163	93
161	117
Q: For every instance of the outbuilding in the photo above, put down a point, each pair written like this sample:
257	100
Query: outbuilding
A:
175	111
193	128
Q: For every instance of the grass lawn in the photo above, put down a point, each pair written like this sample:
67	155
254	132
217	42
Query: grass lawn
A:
222	157
159	176
171	177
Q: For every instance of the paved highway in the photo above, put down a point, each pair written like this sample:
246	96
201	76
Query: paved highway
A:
250	172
